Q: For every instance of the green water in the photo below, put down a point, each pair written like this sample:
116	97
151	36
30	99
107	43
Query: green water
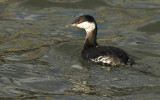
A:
40	54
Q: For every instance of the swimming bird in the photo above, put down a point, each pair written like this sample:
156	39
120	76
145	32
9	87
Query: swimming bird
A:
96	54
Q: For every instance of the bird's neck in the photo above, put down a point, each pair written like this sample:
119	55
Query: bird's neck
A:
91	39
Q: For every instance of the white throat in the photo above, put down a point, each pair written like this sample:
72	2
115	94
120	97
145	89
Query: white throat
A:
88	26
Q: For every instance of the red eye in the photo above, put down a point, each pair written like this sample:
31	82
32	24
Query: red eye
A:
80	21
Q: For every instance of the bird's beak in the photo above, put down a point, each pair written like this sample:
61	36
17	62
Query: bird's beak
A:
70	25
74	24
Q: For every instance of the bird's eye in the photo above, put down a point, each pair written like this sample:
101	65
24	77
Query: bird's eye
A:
80	21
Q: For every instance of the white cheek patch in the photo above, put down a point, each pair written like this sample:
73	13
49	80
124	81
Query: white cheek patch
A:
87	26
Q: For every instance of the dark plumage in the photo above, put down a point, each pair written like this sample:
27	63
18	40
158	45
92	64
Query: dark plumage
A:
101	55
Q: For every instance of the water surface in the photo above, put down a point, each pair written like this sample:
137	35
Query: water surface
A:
40	54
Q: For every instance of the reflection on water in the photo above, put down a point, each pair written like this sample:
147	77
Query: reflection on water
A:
40	58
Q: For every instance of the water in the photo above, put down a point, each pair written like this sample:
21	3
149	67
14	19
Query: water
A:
40	54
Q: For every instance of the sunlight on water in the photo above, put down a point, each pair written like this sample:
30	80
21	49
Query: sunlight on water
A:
40	53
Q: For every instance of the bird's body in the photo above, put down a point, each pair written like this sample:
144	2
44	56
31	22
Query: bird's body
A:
106	55
101	55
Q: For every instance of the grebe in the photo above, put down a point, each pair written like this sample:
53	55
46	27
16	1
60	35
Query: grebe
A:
100	55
